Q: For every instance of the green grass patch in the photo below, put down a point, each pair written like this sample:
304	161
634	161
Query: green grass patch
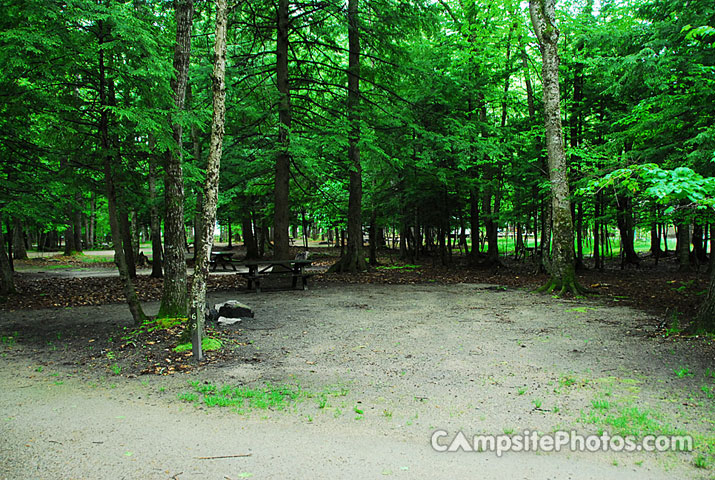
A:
96	259
207	344
151	325
406	266
626	419
165	323
262	397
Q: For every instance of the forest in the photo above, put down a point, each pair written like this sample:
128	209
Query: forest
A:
569	133
496	218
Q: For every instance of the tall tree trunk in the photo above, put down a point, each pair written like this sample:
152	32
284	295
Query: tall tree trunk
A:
474	225
683	246
155	221
705	319
353	260
125	231
563	277
92	225
597	232
655	249
77	223
69	239
7	280
373	237
462	232
249	239
197	309
698	244
198	238
626	228
491	227
19	250
281	218
579	238
111	157
174	296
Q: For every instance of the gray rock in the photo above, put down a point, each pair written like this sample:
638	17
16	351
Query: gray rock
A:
233	309
228	322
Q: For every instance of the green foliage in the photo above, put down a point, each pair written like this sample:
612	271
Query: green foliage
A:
207	344
263	397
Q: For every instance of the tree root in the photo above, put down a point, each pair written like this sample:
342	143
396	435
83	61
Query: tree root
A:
563	287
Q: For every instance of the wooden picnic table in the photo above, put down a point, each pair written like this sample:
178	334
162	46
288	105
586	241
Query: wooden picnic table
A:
258	269
222	258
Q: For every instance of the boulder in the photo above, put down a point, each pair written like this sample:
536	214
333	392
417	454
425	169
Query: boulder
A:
233	309
228	322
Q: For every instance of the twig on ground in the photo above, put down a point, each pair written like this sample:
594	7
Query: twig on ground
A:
224	456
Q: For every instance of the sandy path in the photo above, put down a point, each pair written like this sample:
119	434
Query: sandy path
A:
412	358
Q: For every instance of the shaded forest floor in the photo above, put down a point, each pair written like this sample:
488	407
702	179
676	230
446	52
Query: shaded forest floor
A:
373	363
661	290
351	380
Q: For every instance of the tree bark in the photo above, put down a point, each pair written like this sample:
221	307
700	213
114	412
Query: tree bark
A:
7	280
683	246
92	224
155	221
19	250
373	237
655	249
77	223
174	296
563	277
109	153
353	260
125	231
699	251
474	225
197	310
281	218
249	239
491	227
624	219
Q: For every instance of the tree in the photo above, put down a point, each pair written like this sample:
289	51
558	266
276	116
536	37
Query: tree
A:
281	215
110	153
562	265
354	259
7	281
207	219
174	296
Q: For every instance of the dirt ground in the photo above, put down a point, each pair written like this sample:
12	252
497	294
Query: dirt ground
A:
381	367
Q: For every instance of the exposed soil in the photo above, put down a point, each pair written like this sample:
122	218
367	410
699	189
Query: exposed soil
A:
659	289
410	355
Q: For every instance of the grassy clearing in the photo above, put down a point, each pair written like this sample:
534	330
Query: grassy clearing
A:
263	397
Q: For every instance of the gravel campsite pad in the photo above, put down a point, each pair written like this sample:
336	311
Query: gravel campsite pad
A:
352	380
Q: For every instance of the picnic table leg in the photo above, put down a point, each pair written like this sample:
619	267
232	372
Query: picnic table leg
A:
305	282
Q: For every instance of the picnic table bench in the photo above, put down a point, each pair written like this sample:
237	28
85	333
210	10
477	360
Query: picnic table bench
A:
259	269
223	259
